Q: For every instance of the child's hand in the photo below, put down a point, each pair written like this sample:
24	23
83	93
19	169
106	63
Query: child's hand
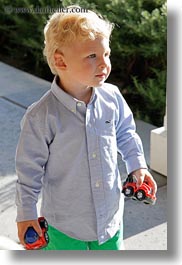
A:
142	175
23	226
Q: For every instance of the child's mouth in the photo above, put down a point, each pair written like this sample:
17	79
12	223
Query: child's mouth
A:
101	75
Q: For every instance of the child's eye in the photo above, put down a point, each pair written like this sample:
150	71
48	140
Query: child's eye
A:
92	55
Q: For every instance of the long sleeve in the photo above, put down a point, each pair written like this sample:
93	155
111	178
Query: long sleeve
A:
128	142
31	157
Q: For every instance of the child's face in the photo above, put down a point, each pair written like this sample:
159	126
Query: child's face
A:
87	63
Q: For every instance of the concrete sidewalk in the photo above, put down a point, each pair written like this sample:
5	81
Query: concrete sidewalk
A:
145	226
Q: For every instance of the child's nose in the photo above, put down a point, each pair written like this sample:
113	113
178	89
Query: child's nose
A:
104	63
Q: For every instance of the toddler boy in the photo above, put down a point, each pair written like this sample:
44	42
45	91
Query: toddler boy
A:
70	139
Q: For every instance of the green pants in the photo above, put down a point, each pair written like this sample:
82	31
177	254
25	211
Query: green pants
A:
60	241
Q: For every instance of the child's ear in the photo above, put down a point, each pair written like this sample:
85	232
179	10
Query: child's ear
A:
59	61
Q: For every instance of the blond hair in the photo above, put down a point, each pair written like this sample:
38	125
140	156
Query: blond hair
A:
63	28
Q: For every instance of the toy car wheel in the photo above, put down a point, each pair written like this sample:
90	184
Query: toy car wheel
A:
44	224
140	195
46	237
128	192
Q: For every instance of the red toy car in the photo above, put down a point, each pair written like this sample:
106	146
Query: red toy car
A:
32	239
143	193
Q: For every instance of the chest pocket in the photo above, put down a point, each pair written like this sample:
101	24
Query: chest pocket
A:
106	132
105	127
105	124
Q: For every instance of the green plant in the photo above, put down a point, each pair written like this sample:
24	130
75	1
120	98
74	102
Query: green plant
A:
22	35
148	99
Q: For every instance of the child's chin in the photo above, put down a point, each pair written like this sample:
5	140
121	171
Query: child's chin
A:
100	83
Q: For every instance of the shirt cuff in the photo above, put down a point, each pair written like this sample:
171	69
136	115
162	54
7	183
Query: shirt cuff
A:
26	213
134	163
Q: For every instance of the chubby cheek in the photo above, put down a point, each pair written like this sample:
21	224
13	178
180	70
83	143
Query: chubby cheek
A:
86	71
88	67
109	68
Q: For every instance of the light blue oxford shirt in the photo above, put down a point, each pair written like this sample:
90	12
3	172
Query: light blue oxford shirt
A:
68	150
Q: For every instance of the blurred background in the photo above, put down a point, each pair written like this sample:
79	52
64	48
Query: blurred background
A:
138	43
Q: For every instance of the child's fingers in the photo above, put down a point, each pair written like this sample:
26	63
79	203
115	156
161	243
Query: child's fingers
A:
139	180
141	176
151	181
37	228
23	226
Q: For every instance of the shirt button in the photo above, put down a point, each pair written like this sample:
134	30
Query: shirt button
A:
97	184
79	104
94	155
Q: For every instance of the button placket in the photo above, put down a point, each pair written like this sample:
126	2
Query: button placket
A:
95	170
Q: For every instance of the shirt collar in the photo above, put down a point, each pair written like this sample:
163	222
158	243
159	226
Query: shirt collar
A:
67	100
